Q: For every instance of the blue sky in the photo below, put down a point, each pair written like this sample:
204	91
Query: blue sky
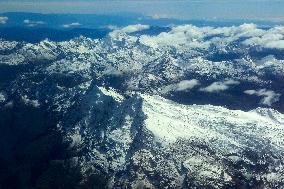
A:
183	9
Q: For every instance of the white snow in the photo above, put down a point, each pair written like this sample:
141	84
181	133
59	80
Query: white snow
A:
30	102
3	97
223	128
111	92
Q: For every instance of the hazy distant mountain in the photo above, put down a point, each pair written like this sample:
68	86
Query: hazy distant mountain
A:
34	27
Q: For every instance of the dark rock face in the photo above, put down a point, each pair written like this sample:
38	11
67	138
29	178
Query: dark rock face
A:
33	153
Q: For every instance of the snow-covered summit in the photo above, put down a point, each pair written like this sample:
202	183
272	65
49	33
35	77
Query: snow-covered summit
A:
159	143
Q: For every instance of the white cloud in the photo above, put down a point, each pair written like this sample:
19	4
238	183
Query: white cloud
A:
74	24
186	84
220	86
268	40
3	19
190	36
33	22
186	35
134	28
195	37
159	16
275	44
272	39
269	97
111	27
120	34
202	38
181	86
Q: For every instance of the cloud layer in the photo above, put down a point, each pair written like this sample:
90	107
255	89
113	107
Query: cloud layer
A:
203	38
219	86
269	97
135	28
181	86
74	24
3	19
32	23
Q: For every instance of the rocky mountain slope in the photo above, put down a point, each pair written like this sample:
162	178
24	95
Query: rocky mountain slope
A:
193	107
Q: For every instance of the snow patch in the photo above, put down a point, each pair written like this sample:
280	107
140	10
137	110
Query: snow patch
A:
30	102
112	92
3	97
225	129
